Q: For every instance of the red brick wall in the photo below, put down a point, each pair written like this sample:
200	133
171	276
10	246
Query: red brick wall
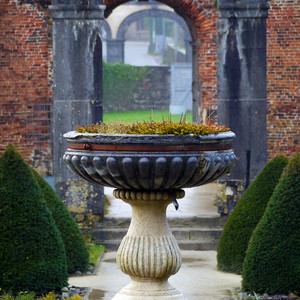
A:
283	77
24	85
207	63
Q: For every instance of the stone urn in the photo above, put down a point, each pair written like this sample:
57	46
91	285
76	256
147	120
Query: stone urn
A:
149	172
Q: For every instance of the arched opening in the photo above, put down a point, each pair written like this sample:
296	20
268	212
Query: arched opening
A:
159	32
153	34
199	18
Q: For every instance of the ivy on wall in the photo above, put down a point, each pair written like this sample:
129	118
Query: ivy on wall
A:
119	83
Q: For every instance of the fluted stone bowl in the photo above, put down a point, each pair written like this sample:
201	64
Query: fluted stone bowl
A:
151	161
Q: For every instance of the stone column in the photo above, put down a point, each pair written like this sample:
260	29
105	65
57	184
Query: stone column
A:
241	37
77	95
115	50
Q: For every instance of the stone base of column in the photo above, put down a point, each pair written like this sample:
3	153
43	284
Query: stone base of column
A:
148	290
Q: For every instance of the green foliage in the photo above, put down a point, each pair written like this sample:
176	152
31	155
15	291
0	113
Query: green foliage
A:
164	127
31	296
95	251
272	262
119	82
142	116
32	254
246	215
19	296
76	250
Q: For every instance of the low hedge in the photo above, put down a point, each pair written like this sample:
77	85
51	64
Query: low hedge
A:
32	254
272	262
239	227
76	250
120	95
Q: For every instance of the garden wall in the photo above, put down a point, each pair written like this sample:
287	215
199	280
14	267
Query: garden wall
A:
283	77
25	93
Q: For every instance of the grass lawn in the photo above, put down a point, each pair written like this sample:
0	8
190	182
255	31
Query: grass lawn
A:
94	252
143	115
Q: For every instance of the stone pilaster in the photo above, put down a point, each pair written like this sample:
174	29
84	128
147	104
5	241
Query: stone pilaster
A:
77	95
115	50
241	30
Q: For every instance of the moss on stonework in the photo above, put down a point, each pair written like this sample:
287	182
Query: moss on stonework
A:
78	196
153	127
226	201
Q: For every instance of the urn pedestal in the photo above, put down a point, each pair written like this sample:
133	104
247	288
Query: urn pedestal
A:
149	172
148	253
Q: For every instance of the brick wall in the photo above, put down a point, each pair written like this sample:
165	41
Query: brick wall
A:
24	85
283	77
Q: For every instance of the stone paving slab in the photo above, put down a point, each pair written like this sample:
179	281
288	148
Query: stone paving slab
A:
197	279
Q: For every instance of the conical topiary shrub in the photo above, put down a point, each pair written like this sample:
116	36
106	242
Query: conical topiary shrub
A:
272	262
76	250
32	254
239	227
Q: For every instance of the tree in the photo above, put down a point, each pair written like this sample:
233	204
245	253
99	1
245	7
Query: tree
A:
272	262
76	250
239	227
32	254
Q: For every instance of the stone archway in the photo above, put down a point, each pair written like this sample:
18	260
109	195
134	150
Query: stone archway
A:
199	18
154	12
108	34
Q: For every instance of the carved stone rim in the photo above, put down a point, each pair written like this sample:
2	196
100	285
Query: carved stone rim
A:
159	142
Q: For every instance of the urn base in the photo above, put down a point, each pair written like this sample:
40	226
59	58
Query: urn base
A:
148	290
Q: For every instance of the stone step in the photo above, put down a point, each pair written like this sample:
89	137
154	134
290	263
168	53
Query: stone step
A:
191	234
198	233
113	245
208	221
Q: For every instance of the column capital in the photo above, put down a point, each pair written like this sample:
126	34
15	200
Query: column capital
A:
243	9
92	10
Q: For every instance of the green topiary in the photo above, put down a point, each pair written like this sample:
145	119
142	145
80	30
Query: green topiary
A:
32	254
246	215
272	262
76	250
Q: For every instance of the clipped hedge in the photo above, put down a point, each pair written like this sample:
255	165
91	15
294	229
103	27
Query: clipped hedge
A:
32	254
239	227
272	263
119	83
76	250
